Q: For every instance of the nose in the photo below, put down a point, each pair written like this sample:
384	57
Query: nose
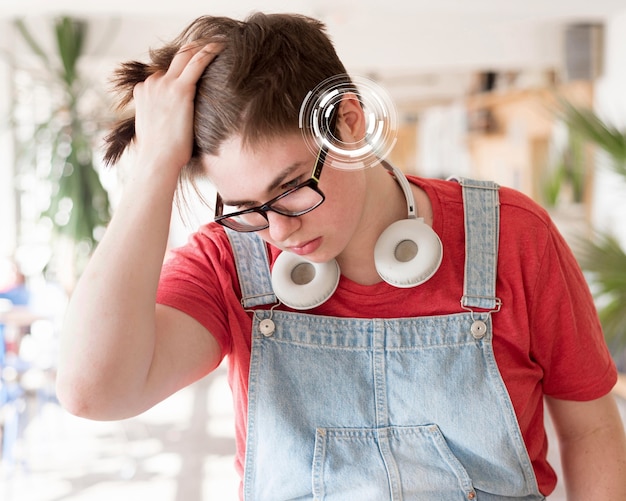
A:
281	227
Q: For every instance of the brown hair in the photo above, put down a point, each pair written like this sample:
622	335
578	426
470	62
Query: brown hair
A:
253	88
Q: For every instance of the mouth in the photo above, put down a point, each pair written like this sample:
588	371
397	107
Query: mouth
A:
306	247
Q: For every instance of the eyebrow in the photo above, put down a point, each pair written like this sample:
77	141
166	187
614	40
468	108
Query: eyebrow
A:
278	180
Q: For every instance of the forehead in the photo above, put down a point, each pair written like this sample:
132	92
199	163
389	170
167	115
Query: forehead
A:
240	169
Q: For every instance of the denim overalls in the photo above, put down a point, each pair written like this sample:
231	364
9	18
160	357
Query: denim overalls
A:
406	409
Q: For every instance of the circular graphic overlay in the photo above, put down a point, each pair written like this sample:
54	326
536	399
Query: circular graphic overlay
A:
381	127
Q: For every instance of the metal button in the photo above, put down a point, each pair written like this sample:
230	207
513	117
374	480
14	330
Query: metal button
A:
479	329
267	327
471	495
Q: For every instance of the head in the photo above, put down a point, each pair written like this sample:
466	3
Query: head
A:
253	89
247	112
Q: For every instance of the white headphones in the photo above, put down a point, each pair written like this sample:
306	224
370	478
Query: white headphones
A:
406	254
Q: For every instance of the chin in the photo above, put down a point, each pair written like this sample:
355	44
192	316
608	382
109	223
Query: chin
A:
321	256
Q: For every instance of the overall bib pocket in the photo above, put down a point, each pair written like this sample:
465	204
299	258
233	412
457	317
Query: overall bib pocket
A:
395	463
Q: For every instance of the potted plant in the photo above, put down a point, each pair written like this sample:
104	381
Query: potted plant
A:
602	257
78	203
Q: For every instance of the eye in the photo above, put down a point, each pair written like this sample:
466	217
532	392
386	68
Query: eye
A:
236	208
291	184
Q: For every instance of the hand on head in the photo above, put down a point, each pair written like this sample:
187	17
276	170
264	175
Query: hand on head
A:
163	94
164	105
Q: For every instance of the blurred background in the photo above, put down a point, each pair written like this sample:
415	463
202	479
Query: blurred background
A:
528	93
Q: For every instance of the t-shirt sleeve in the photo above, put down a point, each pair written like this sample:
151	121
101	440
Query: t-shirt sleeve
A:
569	345
197	280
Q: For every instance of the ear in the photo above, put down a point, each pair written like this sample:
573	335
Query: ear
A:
351	125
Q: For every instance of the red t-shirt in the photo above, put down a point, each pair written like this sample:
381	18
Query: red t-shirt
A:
547	338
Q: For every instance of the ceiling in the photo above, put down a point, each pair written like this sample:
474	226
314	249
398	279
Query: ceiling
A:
415	48
532	9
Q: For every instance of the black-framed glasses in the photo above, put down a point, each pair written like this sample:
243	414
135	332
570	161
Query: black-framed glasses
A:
294	202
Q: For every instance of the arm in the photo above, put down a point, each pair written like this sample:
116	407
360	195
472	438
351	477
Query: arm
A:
593	448
120	352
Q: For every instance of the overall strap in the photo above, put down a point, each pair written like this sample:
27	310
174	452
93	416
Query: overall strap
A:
481	206
253	268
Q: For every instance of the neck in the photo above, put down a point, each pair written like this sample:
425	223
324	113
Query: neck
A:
385	204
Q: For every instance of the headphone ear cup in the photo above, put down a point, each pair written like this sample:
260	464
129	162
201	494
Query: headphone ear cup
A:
301	284
408	253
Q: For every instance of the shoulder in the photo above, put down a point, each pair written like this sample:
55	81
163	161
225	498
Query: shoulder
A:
210	239
516	203
205	257
447	195
526	231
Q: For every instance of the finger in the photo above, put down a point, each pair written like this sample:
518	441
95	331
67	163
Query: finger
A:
182	58
199	61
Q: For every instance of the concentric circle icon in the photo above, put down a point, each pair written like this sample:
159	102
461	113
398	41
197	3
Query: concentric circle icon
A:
381	125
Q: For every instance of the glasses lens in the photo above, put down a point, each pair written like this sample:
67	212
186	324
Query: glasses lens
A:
243	222
298	202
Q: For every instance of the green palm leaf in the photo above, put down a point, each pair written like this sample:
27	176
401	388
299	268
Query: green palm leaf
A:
603	258
594	129
605	261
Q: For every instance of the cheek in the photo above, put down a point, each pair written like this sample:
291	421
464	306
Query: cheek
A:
344	201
